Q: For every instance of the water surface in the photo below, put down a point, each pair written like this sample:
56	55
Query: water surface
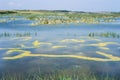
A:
57	47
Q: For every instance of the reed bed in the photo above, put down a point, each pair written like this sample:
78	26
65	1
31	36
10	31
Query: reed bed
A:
17	34
104	34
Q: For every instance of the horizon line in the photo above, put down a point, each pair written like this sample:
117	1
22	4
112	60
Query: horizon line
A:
53	10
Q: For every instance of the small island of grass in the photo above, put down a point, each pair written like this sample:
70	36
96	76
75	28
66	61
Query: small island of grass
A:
41	17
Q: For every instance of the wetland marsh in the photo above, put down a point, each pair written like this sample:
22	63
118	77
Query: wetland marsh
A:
59	46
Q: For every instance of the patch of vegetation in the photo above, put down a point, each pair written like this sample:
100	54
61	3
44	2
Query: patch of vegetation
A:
57	75
7	12
104	34
24	34
63	16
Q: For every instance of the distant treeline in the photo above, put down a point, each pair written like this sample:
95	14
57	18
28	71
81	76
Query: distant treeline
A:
7	12
15	11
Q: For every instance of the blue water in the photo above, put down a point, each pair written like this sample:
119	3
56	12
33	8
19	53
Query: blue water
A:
54	34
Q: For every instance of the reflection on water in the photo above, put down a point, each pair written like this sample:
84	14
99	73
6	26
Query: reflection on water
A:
60	47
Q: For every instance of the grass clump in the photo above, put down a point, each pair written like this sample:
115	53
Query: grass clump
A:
57	75
104	34
24	34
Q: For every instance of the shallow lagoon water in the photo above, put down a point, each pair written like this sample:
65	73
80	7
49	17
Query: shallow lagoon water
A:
57	47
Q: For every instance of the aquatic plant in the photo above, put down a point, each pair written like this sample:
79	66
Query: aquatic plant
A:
104	34
57	47
36	44
70	74
17	34
72	40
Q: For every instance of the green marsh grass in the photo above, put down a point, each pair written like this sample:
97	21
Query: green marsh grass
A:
17	34
104	34
57	75
61	17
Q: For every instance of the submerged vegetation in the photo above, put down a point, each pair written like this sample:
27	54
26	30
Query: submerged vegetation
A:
62	17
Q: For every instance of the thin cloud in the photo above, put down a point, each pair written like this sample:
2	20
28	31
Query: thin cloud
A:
14	4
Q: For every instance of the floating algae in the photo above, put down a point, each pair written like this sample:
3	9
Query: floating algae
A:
72	40
22	38
29	54
23	54
8	48
37	43
27	38
112	58
55	47
104	48
95	39
14	50
104	44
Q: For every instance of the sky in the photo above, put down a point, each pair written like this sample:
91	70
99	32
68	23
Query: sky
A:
73	5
